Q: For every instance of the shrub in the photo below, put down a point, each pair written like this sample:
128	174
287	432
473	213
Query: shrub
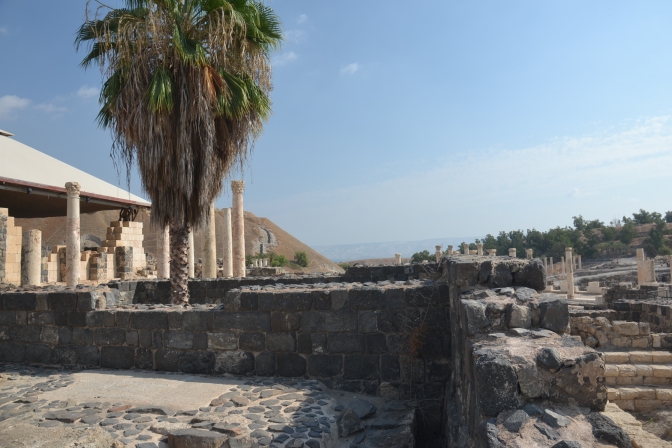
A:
345	266
418	257
279	261
301	258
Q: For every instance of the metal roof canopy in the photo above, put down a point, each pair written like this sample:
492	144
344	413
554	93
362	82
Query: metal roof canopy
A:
32	185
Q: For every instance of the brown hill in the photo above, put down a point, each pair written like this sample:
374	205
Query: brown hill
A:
257	231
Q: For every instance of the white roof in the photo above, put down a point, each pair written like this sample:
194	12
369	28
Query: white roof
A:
28	165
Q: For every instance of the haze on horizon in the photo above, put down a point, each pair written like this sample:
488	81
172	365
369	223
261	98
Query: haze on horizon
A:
400	122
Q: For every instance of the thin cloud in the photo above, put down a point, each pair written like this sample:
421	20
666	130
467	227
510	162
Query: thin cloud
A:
4	30
350	69
285	58
12	103
87	92
302	18
50	108
294	36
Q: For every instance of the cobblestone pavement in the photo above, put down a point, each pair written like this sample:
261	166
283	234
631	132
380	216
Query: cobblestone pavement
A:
151	411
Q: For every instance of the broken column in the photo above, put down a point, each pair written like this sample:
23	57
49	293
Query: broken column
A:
398	259
163	253
579	257
227	254
210	248
562	265
492	252
545	260
512	252
465	248
450	250
72	235
646	269
190	254
570	272
479	248
31	258
528	254
438	253
238	227
550	264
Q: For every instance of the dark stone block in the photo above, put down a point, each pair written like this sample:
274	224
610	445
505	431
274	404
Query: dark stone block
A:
340	299
554	313
501	276
61	318
254	342
319	343
167	360
25	301
201	340
183	340
533	275
122	319
368	321
149	319
389	367
41	318
438	369
336	321
64	355
605	430
24	334
265	301
388	321
132	338
76	318
368	298
325	365
65	336
345	343
37	353
361	367
197	320
285	322
265	364
10	352
94	318
422	296
291	364
197	362
157	339
375	343
395	298
89	356
294	301
86	300
304	343
249	301
117	357
321	300
62	301
433	343
7	317
82	336
243	321
235	363
281	342
145	338
144	359
175	320
496	384
109	336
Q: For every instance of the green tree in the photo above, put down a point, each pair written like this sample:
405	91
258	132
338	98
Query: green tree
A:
609	233
668	216
628	233
301	258
279	261
185	94
419	257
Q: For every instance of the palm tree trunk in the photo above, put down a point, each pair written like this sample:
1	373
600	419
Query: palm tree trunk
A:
179	264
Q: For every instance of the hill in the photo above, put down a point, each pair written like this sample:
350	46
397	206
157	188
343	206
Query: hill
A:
257	231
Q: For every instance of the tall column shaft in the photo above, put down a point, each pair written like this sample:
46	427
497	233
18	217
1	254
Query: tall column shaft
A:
31	258
72	237
238	228
398	259
569	262
190	254
479	248
210	249
163	253
227	243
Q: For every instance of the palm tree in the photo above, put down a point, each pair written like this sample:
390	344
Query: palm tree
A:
185	95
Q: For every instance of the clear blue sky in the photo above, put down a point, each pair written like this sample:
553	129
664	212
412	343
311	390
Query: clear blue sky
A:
408	120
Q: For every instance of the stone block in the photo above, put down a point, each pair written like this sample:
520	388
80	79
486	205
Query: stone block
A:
19	301
496	385
65	355
281	342
7	317
368	321
265	301
375	343
144	359
554	314
627	370
62	301
197	320
117	357
10	352
89	356
661	357
340	299
625	328
321	300
292	302
304	343
325	365
290	364
661	371
284	322
319	343
183	340
646	405
82	336
473	315
646	393
663	394
641	357
197	362
175	320
41	318
265	364
242	321
345	343
77	318
361	367
86	300
196	438
234	362
368	298
249	301
616	357
167	360
395	298
518	316
149	320
222	341
335	321
643	370
25	334
389	368
37	353
254	342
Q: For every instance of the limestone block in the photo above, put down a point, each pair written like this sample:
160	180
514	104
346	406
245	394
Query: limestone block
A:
610	380
626	328
611	370
613	394
626	405
640	357
628	393
641	342
655	340
621	342
644	328
661	357
645	405
664	394
662	371
630	380
643	370
646	393
655	381
616	357
627	370
520	317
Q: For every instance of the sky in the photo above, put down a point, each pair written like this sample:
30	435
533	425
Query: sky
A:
398	121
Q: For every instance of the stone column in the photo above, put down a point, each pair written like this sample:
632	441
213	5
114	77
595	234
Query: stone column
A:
550	263
227	240
398	259
190	254
465	248
479	248
450	250
238	221
492	252
512	252
570	272
163	253
210	248
528	254
438	253
72	236
579	261
545	260
264	263
563	265
31	258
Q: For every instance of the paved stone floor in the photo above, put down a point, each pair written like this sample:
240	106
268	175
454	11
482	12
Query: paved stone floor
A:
151	410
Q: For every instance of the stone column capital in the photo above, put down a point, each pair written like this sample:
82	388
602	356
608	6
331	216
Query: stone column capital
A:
73	189
237	186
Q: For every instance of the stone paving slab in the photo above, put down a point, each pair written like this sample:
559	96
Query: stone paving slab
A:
158	410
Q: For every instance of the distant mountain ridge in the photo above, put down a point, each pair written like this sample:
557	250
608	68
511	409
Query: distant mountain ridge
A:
348	252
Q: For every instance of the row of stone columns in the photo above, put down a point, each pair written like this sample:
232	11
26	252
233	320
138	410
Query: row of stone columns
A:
233	242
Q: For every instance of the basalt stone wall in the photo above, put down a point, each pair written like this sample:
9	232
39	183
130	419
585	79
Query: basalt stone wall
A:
364	274
657	313
389	339
203	291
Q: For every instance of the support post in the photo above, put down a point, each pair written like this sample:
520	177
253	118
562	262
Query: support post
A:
227	239
72	230
163	253
465	249
238	228
570	272
210	248
563	265
31	258
512	252
479	248
398	259
450	250
528	253
438	253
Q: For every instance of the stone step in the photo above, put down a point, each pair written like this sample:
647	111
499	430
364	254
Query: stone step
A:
638	357
638	374
640	398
